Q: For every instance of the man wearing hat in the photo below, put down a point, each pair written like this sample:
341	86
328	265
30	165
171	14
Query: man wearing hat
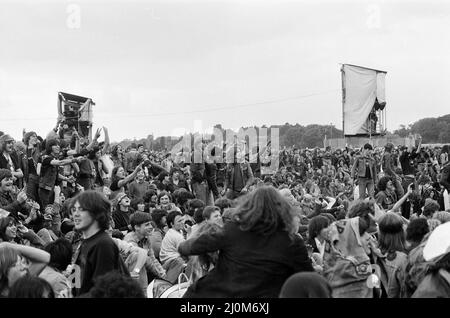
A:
9	159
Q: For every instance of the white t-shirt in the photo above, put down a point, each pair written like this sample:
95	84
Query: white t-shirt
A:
169	245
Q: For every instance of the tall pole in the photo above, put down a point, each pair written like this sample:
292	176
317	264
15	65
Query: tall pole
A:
343	100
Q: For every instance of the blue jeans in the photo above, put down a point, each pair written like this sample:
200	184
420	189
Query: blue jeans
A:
364	184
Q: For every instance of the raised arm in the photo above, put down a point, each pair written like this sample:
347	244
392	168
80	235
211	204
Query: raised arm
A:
38	258
107	142
131	176
399	203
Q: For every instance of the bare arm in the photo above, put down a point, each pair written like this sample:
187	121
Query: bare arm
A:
64	162
399	203
130	177
420	144
106	145
39	258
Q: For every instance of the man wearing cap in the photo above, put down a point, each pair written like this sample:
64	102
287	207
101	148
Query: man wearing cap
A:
9	159
365	167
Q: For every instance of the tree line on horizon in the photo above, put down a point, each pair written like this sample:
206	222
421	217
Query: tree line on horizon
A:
432	130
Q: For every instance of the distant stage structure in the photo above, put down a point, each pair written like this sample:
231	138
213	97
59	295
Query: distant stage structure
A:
364	109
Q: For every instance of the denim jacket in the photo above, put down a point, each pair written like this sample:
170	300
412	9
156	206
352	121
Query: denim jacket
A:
359	166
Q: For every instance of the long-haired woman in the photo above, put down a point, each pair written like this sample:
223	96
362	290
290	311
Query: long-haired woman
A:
392	243
258	250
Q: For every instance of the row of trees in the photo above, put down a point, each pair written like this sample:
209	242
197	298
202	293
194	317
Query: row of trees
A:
290	135
432	130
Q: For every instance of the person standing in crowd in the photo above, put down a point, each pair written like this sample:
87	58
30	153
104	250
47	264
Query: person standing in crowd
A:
407	157
365	167
257	252
131	159
445	176
49	171
88	172
9	159
32	156
239	176
388	164
97	254
199	182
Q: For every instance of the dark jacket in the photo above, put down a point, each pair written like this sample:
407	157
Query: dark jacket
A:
14	158
49	174
388	165
97	256
121	220
198	172
445	177
211	177
16	162
26	169
247	174
9	203
249	265
359	166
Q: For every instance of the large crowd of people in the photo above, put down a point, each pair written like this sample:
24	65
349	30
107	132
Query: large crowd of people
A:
84	218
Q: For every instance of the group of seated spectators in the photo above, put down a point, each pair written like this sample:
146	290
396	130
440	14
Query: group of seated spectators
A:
89	219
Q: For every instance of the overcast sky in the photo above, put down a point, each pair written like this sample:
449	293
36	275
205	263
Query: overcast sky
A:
160	66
